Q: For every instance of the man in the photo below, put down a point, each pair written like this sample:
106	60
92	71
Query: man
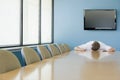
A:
94	45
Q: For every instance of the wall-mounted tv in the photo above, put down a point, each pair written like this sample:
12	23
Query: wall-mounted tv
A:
99	19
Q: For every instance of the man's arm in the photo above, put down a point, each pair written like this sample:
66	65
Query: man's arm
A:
106	48
79	49
111	50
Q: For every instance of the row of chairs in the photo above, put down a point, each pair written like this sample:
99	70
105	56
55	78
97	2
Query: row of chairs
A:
8	61
48	51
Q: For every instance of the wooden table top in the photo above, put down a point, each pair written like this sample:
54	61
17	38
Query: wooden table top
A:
72	66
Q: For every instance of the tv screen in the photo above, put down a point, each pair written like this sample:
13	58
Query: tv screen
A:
99	19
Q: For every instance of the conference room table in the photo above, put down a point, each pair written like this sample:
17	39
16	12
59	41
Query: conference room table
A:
73	65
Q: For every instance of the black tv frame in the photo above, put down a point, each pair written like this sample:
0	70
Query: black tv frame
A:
93	28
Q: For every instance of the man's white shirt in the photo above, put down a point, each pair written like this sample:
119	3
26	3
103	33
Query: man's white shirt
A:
88	46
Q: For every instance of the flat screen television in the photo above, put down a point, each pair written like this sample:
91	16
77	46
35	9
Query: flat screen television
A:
99	19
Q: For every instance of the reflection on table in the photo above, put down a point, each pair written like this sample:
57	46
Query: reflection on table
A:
95	54
73	66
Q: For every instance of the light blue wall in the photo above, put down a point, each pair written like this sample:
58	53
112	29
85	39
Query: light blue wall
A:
68	22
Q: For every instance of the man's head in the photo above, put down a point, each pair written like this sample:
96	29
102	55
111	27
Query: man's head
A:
95	46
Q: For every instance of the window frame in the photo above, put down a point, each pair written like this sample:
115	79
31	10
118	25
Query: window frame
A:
21	27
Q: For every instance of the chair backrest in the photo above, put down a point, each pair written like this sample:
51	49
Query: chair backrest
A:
61	48
43	51
8	61
54	49
66	47
30	55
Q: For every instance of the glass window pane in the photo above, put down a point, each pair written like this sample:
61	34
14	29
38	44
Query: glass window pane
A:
46	21
30	21
9	22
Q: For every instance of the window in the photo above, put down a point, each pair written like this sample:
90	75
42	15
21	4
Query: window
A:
46	17
30	21
25	22
9	22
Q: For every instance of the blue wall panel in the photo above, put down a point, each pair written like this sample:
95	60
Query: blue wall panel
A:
68	22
